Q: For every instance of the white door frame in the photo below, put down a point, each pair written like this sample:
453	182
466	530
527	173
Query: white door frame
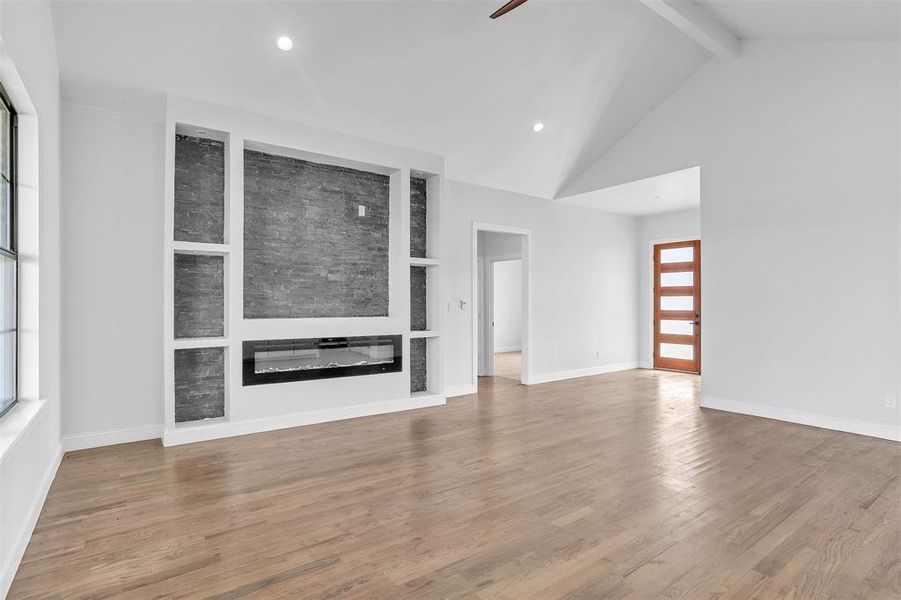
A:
480	310
526	296
649	314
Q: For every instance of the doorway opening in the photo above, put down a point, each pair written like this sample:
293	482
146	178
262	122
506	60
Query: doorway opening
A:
677	306
501	302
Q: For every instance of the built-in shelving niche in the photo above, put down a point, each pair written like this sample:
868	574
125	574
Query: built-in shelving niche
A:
419	217
200	253
199	214
199	384
419	296
418	365
425	365
199	310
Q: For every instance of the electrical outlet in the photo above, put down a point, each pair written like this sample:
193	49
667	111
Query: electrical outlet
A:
361	210
597	354
891	401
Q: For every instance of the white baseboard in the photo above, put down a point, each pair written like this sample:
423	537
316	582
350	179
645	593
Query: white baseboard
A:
453	391
645	364
18	551
886	432
211	431
573	374
108	438
499	349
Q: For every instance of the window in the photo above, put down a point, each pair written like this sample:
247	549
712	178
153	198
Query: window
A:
9	261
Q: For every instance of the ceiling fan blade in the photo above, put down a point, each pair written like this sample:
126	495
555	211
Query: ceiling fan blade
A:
507	8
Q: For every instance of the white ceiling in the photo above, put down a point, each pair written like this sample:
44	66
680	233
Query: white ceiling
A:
871	20
679	190
435	76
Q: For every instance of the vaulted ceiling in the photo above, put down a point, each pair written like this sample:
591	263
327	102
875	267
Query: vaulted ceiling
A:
774	21
435	76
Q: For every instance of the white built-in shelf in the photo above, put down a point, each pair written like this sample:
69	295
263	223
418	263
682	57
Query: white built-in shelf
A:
423	262
216	342
201	248
200	423
423	334
428	396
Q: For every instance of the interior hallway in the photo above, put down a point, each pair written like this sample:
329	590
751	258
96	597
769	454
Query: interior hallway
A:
508	365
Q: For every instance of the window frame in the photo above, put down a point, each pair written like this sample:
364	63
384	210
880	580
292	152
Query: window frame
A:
13	230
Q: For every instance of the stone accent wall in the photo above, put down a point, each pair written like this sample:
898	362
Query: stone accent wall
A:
418	212
199	384
199	190
418	367
199	296
307	253
418	295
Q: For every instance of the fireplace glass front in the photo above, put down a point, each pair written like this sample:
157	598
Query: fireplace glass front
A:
278	361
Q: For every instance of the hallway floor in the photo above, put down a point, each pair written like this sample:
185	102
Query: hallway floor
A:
508	365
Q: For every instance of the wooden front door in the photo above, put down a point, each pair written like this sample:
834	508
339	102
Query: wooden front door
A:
677	306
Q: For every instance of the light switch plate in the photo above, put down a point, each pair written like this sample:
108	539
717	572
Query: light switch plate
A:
457	306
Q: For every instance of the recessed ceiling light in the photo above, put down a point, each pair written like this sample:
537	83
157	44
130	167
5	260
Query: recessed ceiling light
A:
537	126
284	43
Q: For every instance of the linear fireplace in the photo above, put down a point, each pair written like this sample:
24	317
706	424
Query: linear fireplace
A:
279	361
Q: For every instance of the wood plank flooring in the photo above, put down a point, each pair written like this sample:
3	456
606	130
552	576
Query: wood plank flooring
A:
614	486
508	365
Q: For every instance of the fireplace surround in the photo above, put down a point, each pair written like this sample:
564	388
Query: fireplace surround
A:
206	215
281	361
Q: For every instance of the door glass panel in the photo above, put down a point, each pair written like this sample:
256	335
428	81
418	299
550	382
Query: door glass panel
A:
680	351
677	279
677	327
671	255
677	303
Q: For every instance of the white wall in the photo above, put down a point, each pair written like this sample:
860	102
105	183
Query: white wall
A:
112	172
584	286
656	229
495	244
799	149
30	432
507	305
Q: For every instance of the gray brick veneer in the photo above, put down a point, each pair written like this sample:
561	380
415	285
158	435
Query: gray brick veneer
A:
418	368
418	212
199	384
418	295
199	296
199	190
307	253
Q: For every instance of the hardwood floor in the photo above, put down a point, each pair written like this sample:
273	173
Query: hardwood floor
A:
605	487
508	365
